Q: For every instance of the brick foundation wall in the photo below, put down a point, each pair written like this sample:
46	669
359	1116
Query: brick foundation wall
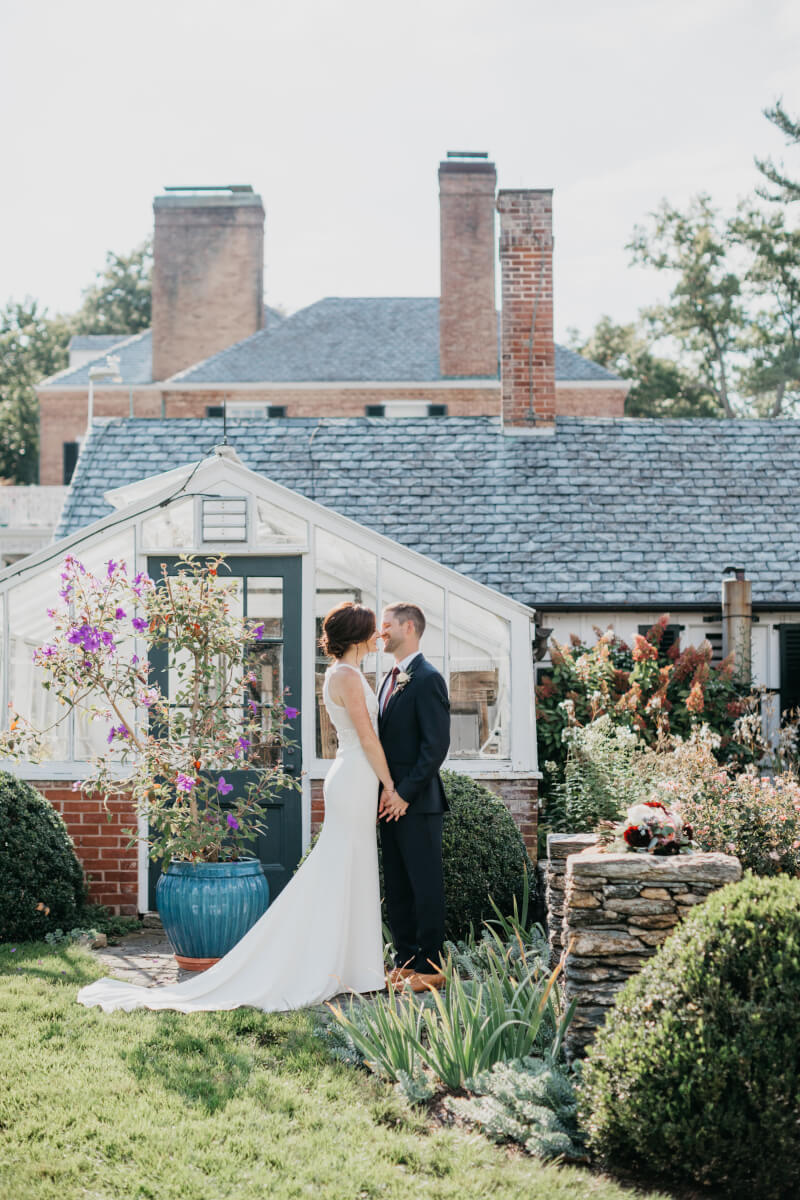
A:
101	845
518	795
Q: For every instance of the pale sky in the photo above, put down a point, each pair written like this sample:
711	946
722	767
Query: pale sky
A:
339	113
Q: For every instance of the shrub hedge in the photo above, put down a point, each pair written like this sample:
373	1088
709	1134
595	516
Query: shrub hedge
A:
696	1073
41	881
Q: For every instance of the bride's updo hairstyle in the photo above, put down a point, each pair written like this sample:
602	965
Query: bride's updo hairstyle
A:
346	625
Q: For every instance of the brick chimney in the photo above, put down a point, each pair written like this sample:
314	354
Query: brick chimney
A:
467	315
208	273
527	353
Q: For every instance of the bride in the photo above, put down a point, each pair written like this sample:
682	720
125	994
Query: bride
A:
322	934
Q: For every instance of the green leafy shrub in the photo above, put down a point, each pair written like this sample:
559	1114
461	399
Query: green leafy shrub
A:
602	776
41	881
696	1072
641	687
530	1101
755	818
484	856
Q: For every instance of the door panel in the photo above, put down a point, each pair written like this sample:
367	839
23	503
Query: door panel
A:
268	592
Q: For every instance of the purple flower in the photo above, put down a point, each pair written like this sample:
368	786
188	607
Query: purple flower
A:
222	787
117	731
242	746
87	636
232	822
184	783
13	949
107	637
112	566
258	632
253	706
134	659
291	713
119	614
139	624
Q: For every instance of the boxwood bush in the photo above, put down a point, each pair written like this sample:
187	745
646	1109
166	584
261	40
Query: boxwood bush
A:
484	855
41	881
696	1073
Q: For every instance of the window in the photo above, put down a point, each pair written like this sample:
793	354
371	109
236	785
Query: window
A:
375	410
171	527
70	452
480	699
343	572
790	666
276	410
277	527
405	408
672	634
437	410
215	410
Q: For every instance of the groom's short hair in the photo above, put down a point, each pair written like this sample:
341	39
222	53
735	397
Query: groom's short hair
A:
405	611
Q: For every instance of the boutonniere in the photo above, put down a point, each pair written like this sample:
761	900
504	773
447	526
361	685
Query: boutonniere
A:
402	679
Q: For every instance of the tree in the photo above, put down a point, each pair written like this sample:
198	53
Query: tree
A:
660	387
771	373
704	314
32	346
120	300
787	189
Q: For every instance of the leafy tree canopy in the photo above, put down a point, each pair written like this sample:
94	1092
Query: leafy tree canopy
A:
33	345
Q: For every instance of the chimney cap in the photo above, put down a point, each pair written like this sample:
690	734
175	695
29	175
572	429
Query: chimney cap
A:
210	187
467	153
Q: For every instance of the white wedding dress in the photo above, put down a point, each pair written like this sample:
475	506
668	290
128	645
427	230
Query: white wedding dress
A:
322	935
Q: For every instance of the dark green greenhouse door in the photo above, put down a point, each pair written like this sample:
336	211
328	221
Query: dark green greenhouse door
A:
270	590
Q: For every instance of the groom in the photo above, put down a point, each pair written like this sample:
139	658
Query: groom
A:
414	729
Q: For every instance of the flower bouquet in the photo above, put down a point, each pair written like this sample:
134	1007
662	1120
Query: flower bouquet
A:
653	828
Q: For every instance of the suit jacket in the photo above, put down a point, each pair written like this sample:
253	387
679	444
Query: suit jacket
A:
415	734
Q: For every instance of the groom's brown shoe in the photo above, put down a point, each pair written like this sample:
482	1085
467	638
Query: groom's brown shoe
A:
419	981
398	975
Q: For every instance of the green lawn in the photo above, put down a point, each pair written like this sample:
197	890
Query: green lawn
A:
156	1106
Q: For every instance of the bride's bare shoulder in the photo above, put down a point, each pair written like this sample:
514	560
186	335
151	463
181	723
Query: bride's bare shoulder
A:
344	683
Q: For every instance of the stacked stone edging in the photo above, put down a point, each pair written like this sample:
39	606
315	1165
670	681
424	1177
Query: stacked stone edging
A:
559	847
618	909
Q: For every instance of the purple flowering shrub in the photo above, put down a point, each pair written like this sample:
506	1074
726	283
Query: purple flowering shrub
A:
176	750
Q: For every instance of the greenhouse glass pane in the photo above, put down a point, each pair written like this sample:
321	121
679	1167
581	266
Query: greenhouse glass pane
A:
479	645
277	527
343	572
91	728
171	527
398	584
29	628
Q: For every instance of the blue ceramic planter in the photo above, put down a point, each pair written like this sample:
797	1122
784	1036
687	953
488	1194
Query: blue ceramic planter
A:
206	908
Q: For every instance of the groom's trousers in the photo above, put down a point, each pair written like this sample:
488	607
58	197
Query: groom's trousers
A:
414	888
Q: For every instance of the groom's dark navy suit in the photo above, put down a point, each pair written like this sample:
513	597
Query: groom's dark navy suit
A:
414	730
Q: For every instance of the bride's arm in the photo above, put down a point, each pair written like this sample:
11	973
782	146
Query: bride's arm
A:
350	692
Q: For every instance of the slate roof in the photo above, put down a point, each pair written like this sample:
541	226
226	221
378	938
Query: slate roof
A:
604	512
99	342
135	355
383	339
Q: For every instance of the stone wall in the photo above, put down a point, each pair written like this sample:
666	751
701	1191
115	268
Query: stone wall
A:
559	848
617	910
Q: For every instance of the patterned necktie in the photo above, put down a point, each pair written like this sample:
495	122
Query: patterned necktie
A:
390	689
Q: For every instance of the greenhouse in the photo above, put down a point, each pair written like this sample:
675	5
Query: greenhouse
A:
292	560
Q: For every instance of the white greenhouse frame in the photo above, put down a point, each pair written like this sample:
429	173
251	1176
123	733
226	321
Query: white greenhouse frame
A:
222	475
